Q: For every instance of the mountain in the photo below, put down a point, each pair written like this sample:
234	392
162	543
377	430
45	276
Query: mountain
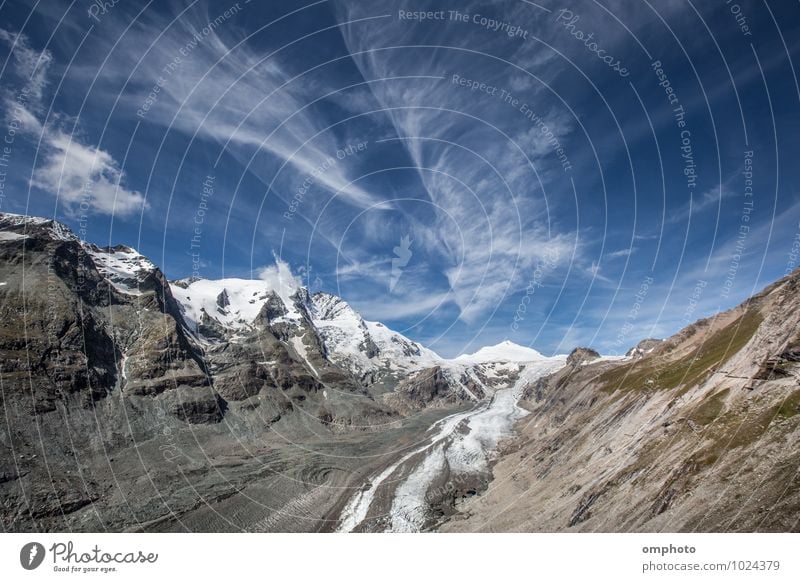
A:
135	403
697	432
113	375
506	351
366	348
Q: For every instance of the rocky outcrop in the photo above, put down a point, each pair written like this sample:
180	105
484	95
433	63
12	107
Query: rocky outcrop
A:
580	356
422	389
643	347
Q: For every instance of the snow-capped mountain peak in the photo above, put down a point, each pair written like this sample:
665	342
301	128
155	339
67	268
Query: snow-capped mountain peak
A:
363	346
506	351
367	349
54	229
125	268
328	307
233	303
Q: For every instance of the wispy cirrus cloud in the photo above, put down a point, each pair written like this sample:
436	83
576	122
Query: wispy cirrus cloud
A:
480	161
29	65
83	177
216	86
704	201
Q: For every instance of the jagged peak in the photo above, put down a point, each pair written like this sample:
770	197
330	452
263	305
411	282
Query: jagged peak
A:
328	307
56	230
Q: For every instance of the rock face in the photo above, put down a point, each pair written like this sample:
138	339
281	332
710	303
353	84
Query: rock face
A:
698	432
580	356
427	387
78	320
643	347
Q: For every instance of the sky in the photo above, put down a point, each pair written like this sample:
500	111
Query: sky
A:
590	174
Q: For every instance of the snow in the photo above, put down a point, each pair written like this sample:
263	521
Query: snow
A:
409	510
61	232
280	279
58	231
473	450
463	443
346	336
301	350
356	510
342	329
401	350
246	297
506	351
6	236
123	267
18	219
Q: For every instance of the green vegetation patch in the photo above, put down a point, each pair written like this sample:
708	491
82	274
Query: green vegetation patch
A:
790	406
688	371
710	408
743	427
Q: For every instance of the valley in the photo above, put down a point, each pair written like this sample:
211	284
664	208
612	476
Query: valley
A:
135	403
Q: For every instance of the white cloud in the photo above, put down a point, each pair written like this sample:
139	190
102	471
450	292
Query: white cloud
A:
84	178
280	278
621	253
30	65
390	308
487	222
701	202
247	100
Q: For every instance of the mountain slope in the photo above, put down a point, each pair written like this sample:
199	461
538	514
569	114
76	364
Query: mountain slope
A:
368	349
695	433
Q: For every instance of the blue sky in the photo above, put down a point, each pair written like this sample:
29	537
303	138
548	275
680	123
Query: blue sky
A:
557	175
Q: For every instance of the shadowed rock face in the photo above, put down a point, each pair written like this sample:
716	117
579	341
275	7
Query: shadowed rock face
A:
694	433
83	326
580	356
